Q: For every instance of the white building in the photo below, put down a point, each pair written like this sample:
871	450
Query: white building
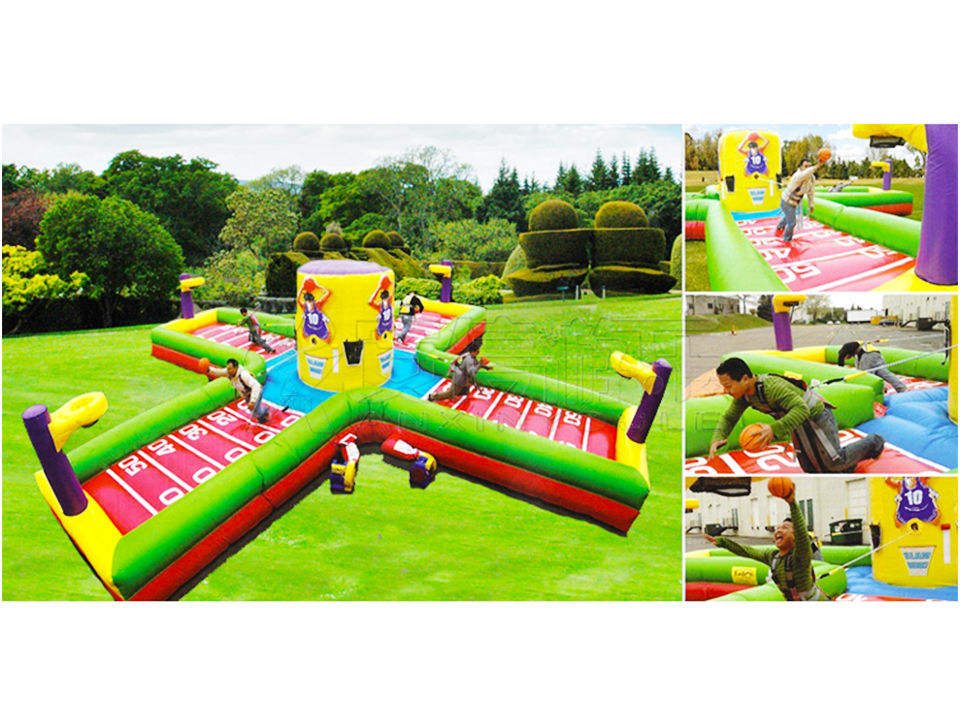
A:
914	306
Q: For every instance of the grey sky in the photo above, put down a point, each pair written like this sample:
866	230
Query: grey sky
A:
840	137
250	151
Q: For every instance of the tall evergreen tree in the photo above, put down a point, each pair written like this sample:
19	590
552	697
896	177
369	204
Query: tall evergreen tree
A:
654	163
597	180
668	175
626	170
613	174
505	199
572	182
561	176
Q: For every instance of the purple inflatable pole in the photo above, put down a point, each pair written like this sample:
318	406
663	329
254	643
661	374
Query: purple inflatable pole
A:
446	284
937	255
888	174
55	463
642	420
186	298
781	330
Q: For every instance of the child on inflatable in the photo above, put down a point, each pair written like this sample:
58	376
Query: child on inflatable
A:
253	326
463	373
870	359
797	411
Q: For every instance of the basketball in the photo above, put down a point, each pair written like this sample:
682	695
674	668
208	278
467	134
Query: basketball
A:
824	155
750	437
204	365
780	486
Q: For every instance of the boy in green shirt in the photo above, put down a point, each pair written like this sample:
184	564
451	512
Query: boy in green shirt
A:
790	564
802	414
253	326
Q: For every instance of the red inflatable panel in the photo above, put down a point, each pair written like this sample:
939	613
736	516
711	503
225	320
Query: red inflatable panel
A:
695	230
821	258
237	336
896	209
702	591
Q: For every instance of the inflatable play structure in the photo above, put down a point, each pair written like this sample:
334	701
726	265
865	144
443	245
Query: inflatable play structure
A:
919	425
912	553
151	503
854	240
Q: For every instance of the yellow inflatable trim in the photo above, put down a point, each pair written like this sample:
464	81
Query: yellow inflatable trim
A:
445	309
189	284
785	301
189	325
909	281
94	533
630	452
633	369
445	271
914	133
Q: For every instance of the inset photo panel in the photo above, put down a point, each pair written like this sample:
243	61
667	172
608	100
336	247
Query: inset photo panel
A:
841	383
821	208
814	538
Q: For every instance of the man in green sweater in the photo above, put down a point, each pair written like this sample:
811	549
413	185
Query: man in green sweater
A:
790	563
800	413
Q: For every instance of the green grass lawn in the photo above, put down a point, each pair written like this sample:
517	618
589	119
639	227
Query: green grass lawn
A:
720	324
459	539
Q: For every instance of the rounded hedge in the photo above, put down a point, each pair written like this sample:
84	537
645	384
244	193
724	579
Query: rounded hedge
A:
281	276
376	239
620	214
306	241
333	242
676	258
553	215
551	248
636	280
396	240
517	260
628	247
530	282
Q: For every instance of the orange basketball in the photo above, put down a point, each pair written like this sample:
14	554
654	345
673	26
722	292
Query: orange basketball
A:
204	365
750	437
824	155
780	486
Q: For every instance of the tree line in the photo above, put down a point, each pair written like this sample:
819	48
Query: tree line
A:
117	240
703	154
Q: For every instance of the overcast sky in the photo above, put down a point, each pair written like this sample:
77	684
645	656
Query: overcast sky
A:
840	137
250	151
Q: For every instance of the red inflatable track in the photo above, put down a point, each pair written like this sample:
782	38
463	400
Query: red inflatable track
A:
518	412
156	476
424	324
821	258
237	336
703	591
780	459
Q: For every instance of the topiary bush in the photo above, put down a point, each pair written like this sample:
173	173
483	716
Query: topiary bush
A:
517	260
333	242
620	214
483	291
423	287
676	258
376	239
306	242
628	247
281	278
534	282
551	248
396	240
636	280
552	215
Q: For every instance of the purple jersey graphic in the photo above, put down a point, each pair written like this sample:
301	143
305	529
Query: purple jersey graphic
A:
756	163
919	503
315	323
385	318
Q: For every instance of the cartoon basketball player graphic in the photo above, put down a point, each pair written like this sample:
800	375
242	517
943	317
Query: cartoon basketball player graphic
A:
915	501
752	147
315	323
381	301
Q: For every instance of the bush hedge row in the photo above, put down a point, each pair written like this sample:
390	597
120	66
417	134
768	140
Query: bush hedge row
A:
281	277
636	280
306	241
533	282
628	247
620	214
548	248
552	215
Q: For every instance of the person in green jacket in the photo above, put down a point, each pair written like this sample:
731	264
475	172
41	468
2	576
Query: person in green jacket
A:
791	562
798	412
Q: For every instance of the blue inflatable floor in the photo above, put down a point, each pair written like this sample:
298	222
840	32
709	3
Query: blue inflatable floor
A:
284	387
918	422
860	581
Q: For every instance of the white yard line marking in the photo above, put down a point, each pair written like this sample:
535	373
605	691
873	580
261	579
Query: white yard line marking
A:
166	472
461	400
236	414
865	274
820	259
492	406
556	423
143	502
523	416
196	452
225	435
586	435
737	470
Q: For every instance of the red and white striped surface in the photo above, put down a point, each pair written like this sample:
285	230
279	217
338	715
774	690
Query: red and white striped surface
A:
164	471
781	459
424	324
238	337
535	417
821	258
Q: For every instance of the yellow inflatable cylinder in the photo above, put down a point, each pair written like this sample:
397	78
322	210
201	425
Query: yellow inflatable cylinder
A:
749	170
926	557
344	324
954	352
